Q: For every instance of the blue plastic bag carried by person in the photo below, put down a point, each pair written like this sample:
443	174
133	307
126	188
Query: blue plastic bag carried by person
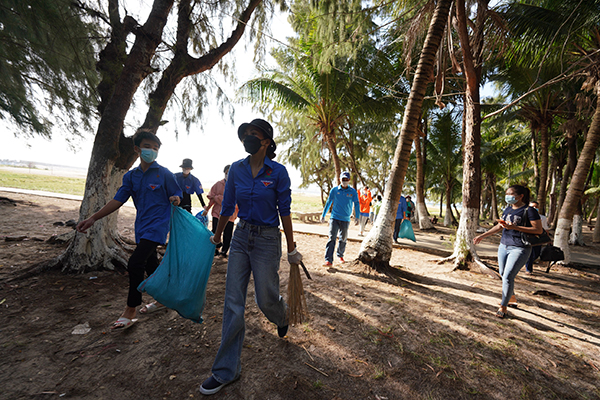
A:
202	218
406	231
180	280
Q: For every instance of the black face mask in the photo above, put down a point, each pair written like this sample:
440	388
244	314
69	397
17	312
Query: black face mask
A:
252	144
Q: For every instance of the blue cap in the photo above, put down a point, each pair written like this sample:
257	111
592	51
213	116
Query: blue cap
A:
345	175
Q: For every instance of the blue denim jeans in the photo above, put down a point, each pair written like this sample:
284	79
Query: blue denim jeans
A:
255	250
337	229
510	261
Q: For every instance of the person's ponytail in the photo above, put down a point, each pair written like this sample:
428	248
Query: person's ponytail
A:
271	150
519	189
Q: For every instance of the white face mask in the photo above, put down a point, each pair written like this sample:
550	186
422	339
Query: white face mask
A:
345	184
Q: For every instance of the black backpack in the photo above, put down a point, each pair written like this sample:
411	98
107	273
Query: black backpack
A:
552	254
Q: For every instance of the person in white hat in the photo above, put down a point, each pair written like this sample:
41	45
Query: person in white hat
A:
342	197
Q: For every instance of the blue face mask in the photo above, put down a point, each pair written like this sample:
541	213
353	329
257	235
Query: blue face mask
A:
149	155
510	199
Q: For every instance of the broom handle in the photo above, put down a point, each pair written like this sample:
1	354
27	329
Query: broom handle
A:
305	270
303	266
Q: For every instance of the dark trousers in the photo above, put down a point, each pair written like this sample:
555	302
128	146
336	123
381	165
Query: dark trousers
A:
143	260
397	225
227	233
186	202
535	253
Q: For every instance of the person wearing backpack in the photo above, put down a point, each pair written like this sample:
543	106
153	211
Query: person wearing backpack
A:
536	250
512	252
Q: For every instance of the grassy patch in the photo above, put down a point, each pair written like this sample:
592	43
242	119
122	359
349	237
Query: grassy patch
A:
306	203
442	339
306	328
50	183
379	374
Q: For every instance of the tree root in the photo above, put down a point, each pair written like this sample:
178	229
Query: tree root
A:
36	269
115	262
375	263
465	263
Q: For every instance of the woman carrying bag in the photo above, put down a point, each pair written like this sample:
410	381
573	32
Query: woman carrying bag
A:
512	252
261	189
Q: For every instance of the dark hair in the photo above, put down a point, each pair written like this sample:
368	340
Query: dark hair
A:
522	190
271	150
142	134
534	202
226	168
379	197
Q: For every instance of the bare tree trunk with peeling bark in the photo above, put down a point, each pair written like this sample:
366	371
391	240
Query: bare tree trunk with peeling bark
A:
376	249
112	153
576	237
464	249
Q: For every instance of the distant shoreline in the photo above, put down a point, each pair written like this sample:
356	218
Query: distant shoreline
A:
46	169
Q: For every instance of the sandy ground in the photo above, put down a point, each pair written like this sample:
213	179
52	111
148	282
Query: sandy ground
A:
424	333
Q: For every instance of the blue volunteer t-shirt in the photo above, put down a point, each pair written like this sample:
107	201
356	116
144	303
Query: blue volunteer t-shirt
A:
401	208
261	200
511	237
342	200
189	184
150	191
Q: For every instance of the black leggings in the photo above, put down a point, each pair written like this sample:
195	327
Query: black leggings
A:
143	260
397	225
227	233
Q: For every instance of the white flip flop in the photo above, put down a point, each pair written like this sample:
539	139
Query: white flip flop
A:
123	323
150	308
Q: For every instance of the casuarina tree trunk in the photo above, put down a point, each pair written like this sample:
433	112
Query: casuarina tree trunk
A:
112	153
376	249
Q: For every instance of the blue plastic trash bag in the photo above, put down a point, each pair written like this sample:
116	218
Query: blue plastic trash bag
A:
180	280
406	231
202	218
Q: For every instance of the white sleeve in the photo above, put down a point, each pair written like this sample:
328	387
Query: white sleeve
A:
544	222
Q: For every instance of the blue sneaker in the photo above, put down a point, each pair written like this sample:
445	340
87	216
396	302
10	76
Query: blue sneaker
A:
211	386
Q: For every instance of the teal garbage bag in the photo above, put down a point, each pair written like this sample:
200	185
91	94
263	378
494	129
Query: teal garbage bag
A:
406	231
180	280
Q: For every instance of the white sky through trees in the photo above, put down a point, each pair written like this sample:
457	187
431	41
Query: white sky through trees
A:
210	149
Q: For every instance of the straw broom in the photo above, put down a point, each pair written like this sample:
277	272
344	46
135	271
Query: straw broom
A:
297	311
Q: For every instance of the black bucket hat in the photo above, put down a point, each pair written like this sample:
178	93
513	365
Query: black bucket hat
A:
187	163
258	123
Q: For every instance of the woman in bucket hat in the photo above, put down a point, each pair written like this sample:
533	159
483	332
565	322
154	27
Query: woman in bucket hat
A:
189	185
261	189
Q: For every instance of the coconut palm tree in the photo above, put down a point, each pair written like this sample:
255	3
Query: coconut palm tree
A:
571	30
376	249
328	102
444	148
